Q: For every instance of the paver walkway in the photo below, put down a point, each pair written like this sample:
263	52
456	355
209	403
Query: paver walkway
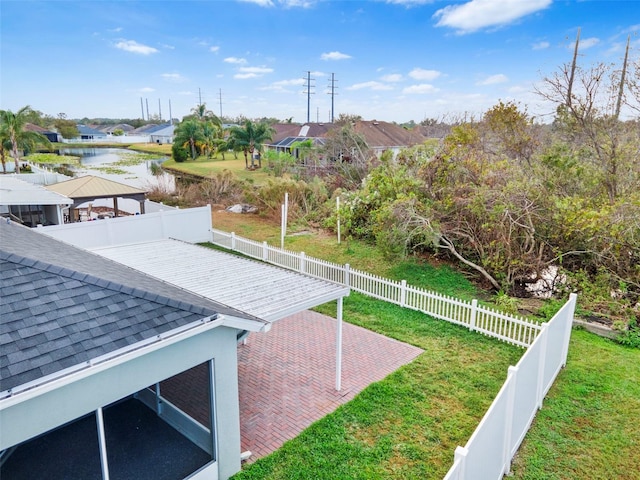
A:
287	377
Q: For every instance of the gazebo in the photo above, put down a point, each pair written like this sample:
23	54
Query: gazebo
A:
89	188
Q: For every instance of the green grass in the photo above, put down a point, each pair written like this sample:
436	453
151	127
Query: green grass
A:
205	167
52	158
407	425
589	426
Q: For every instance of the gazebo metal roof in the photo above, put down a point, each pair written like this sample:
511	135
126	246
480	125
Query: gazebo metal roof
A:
268	292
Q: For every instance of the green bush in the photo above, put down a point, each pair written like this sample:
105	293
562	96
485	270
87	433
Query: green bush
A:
179	153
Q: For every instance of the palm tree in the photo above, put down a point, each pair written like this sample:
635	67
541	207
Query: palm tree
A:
189	132
12	130
250	138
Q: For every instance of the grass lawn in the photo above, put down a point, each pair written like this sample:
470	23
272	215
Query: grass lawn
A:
206	167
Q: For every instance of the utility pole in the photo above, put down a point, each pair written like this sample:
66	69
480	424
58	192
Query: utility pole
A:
220	100
622	77
147	102
309	92
142	108
159	110
573	70
170	115
199	97
332	92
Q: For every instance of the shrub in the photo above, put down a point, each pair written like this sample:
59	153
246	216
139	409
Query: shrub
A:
179	153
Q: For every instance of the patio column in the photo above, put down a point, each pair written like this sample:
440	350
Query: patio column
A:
102	443
339	347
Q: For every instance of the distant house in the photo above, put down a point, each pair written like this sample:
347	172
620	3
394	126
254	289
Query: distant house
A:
89	134
49	134
162	133
379	136
109	129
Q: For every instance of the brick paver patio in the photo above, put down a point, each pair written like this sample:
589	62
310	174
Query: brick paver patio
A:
287	377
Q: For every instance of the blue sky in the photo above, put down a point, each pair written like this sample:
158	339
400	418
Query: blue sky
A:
394	60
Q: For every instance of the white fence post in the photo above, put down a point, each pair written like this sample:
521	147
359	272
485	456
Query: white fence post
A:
265	252
347	279
474	312
403	293
508	423
568	325
303	262
233	241
461	454
544	333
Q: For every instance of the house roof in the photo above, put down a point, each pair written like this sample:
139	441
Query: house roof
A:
14	191
288	141
306	130
93	187
30	127
60	310
387	135
263	290
85	130
165	130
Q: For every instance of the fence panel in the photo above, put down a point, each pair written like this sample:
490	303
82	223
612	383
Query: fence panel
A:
491	447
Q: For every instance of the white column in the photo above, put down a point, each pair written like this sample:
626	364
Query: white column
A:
339	347
102	443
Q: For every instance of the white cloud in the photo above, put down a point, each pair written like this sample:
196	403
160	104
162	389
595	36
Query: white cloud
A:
135	47
235	60
168	47
115	30
214	49
493	79
372	85
246	76
147	90
409	3
392	78
422	74
256	70
420	89
260	3
173	77
185	93
283	85
334	56
478	14
540	45
585	43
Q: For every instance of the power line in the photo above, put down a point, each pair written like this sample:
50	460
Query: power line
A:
332	92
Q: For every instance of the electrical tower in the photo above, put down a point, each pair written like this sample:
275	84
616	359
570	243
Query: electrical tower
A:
220	101
309	93
332	92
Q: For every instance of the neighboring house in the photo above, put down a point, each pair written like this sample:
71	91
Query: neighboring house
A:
84	346
31	204
49	134
380	136
125	127
162	134
87	133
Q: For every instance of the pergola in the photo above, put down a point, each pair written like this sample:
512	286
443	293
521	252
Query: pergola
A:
89	188
268	292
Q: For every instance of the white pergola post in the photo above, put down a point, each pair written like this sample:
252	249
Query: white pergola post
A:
339	347
102	443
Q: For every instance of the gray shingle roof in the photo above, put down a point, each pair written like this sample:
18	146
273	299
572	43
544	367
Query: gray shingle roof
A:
61	306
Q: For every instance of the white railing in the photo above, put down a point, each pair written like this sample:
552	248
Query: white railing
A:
488	453
512	329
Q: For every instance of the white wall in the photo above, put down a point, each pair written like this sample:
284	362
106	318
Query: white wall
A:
190	225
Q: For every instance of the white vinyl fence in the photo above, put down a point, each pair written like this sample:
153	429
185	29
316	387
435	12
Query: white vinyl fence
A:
488	453
189	225
512	329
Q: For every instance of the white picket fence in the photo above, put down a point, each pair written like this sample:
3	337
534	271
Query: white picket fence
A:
490	450
509	328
